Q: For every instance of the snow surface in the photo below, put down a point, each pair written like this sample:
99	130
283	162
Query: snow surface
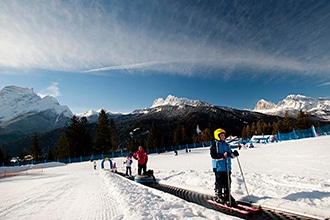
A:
293	175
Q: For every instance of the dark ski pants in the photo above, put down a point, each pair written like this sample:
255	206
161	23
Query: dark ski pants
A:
128	171
142	167
221	183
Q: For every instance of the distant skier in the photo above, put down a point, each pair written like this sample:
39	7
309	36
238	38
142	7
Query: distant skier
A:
221	163
95	164
142	157
128	163
114	167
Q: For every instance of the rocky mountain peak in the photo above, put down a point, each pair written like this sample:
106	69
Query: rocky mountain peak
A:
175	101
293	104
263	105
16	101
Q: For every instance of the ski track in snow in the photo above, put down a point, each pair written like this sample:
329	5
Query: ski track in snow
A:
77	191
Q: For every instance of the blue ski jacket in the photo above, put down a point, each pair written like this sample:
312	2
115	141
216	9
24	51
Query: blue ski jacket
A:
217	151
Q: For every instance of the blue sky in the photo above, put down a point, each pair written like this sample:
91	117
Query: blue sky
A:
122	55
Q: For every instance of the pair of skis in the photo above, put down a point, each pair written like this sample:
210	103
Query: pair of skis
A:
241	208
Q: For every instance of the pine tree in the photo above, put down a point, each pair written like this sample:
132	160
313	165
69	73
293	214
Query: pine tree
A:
73	136
275	128
259	130
85	140
62	150
207	135
243	134
2	159
50	155
113	136
35	148
184	135
152	142
78	136
286	125
103	134
177	135
22	154
301	122
133	144
248	131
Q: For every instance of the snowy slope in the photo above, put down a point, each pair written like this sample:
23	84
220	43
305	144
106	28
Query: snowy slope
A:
292	174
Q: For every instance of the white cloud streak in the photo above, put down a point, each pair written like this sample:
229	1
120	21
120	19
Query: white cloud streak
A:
324	84
71	36
52	90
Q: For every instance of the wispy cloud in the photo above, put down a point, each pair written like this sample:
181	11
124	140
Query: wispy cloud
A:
325	84
181	38
52	90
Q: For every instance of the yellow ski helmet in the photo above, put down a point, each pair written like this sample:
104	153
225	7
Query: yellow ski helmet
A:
217	132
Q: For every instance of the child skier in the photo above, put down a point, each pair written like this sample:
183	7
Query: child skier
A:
221	163
128	163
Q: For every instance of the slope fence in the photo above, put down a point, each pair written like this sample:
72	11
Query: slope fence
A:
20	170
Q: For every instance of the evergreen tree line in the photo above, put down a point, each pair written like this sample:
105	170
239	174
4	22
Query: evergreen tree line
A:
77	140
285	125
180	135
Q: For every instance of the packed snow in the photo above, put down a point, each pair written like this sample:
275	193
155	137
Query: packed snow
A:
292	175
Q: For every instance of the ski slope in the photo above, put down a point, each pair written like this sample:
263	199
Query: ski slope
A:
293	175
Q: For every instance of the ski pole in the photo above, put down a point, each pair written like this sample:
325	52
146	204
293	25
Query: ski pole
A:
240	168
228	180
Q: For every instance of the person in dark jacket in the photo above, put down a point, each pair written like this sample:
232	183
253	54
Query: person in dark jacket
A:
142	157
221	163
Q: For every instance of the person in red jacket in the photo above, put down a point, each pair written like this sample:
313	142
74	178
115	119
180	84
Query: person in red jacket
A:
142	157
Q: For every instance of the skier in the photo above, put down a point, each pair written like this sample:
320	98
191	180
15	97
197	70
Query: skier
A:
221	163
95	164
128	163
142	157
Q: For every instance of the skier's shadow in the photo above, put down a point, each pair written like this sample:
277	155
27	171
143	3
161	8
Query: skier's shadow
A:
255	198
304	195
292	197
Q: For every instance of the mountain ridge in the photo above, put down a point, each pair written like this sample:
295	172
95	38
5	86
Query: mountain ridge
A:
17	101
292	104
167	113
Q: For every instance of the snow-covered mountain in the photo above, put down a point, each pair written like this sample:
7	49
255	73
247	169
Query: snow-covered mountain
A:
157	105
18	105
292	104
175	101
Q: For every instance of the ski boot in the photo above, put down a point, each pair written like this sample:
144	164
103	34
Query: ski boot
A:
219	198
231	203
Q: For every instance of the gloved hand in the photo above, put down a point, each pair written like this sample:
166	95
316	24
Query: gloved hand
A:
236	154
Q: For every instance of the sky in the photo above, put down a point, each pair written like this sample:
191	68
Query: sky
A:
285	175
122	55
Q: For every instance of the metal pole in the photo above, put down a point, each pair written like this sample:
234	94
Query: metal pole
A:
240	168
228	180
